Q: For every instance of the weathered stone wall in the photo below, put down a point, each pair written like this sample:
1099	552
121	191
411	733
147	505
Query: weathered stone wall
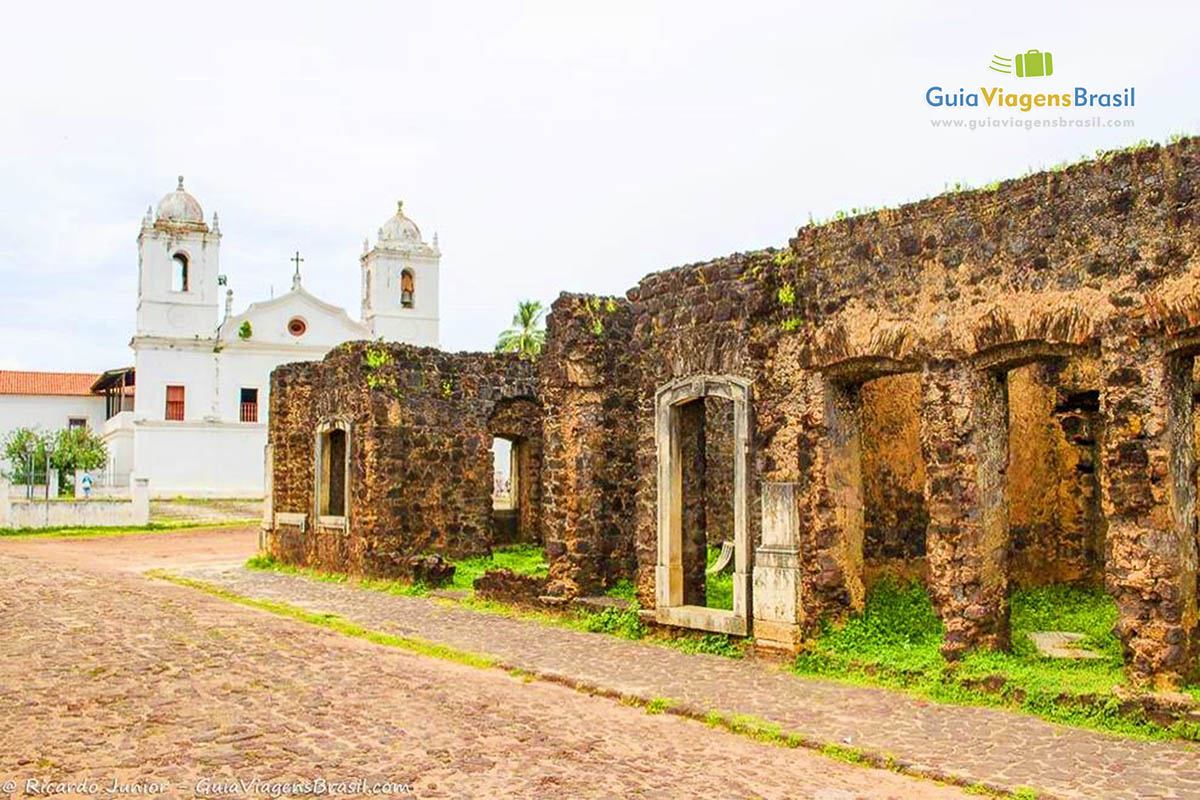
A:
1009	370
420	434
588	387
688	322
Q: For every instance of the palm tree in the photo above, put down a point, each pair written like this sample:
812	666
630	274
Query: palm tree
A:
526	336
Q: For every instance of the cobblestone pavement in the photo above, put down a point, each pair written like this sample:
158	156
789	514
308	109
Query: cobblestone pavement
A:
106	675
974	744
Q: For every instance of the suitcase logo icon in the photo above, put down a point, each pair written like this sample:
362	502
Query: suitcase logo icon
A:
1030	64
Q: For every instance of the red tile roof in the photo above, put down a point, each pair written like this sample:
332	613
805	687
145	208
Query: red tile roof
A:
44	383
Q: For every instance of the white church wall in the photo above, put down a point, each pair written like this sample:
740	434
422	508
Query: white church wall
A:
189	367
201	459
117	434
325	326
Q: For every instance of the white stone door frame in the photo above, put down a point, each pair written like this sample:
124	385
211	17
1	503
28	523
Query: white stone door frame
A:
670	609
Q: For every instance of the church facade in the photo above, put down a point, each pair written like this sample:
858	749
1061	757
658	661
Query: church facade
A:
191	415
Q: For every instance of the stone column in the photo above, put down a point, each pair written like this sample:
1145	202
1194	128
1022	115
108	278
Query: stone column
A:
832	501
964	440
140	494
777	575
1148	494
268	516
573	502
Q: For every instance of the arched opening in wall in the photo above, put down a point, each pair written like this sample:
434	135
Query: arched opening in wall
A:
895	514
407	288
1055	524
332	471
702	576
179	272
506	489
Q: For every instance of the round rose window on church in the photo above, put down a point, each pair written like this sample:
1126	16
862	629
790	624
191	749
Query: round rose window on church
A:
297	326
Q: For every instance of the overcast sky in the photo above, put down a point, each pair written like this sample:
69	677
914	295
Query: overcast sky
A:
553	146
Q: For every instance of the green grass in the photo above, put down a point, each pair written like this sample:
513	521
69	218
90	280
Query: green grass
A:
525	559
267	563
718	588
67	532
623	589
895	642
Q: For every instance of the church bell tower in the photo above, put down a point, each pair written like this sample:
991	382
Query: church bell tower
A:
177	269
400	283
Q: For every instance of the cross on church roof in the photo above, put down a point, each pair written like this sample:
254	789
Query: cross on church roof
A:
296	259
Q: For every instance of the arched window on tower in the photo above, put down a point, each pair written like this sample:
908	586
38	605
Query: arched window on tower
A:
179	272
406	288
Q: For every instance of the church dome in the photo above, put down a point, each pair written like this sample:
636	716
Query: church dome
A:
179	206
400	228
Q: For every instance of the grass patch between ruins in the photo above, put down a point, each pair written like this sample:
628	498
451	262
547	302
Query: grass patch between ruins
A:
524	559
718	589
896	642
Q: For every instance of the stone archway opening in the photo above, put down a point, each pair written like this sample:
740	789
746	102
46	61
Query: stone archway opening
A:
895	513
506	487
1028	510
1055	523
702	429
515	470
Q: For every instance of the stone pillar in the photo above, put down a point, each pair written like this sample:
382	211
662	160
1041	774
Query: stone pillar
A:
140	493
268	516
832	501
1148	494
777	575
964	440
5	503
573	501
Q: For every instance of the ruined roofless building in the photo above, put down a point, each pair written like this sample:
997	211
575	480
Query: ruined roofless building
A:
982	390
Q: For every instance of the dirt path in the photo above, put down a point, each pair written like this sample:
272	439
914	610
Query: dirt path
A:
106	675
142	551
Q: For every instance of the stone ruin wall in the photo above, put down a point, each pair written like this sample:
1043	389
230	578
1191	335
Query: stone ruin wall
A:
588	382
985	389
1054	312
421	469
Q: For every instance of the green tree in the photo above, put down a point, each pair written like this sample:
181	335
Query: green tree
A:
26	450
76	449
527	335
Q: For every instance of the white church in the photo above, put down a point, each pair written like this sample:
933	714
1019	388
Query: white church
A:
191	414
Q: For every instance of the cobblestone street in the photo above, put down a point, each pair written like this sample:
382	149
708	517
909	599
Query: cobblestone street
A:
106	675
995	747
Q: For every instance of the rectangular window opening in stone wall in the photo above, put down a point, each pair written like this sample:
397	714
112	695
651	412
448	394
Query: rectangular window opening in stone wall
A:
507	456
333	468
709	546
704	560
